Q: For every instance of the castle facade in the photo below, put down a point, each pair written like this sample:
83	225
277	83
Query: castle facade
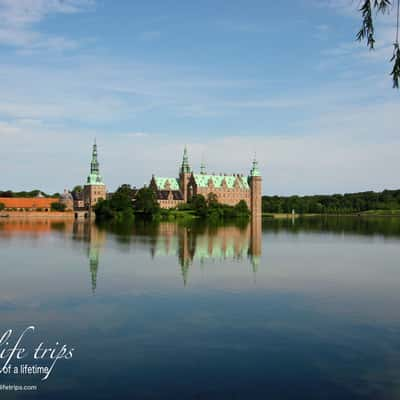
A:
228	189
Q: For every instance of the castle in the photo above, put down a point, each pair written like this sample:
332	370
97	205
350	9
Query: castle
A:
227	188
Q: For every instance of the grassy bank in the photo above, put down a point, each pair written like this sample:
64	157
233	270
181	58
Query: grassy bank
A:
369	213
171	215
285	216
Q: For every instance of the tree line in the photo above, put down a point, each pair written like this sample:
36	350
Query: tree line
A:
348	203
26	194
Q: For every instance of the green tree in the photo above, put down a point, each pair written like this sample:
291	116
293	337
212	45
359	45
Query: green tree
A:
367	31
2	206
146	202
103	210
120	201
241	209
334	204
199	205
77	189
126	190
56	206
118	208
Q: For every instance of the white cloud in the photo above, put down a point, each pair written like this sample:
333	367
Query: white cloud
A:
18	18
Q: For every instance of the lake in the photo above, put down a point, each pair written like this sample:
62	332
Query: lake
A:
292	309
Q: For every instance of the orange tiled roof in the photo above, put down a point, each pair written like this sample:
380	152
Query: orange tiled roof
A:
28	202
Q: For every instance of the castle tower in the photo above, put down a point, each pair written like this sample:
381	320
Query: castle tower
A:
255	190
184	174
94	189
203	168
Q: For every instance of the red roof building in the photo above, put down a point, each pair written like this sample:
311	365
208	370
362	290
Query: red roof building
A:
28	203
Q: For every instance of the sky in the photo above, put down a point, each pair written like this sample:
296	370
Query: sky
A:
283	81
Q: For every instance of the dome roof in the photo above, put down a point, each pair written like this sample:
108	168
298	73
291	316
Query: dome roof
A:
66	196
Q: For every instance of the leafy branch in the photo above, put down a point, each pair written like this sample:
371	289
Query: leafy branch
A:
396	65
367	31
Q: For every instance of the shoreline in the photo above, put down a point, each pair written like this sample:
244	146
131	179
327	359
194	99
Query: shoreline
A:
308	215
185	215
36	214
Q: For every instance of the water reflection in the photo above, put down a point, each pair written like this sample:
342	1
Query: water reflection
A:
365	226
95	239
322	317
196	241
200	242
32	227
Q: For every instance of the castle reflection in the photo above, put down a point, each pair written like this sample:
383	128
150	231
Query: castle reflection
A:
205	242
95	239
196	242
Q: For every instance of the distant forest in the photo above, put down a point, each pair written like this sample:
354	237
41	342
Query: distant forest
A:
32	193
333	204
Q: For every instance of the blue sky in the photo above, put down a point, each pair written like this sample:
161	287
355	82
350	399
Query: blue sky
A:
229	79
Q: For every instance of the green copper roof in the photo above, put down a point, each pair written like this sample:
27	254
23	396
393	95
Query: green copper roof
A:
94	177
217	180
162	183
254	170
185	167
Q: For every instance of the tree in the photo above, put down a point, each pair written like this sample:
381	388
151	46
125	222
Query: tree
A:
241	209
118	208
103	210
146	202
77	189
56	206
120	201
199	205
336	203
2	206
127	189
367	31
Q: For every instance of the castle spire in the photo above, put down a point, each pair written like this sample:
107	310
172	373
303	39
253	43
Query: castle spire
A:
94	165
94	178
254	170
185	168
202	166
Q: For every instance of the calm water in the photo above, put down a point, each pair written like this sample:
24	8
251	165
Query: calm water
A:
290	310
